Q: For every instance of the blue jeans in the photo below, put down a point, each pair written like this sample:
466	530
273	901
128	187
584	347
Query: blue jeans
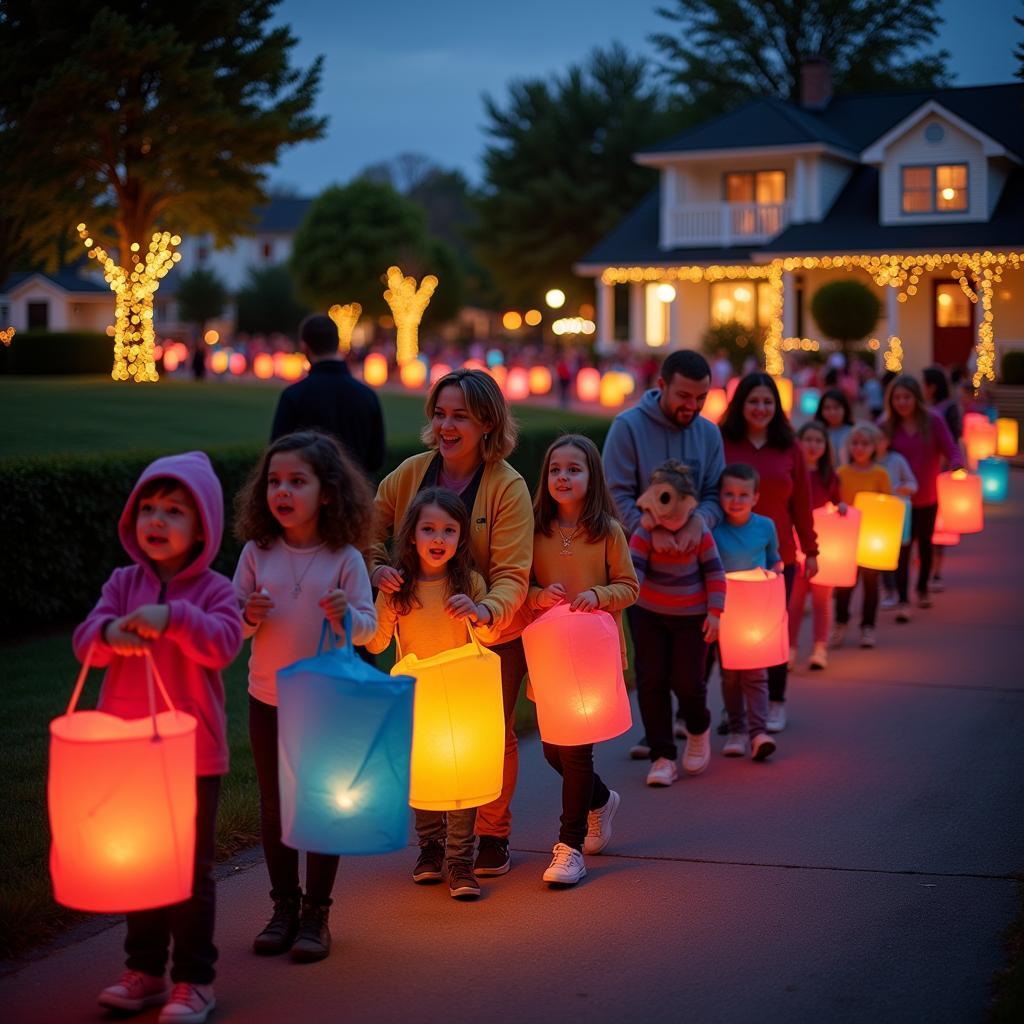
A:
452	829
746	687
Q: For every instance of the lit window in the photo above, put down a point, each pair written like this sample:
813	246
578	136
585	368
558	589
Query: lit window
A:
952	307
931	189
658	309
761	187
744	302
951	187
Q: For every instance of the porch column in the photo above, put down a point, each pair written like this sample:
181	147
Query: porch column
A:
605	317
892	311
788	304
637	316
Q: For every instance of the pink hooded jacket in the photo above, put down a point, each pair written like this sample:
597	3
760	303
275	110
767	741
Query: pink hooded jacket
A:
204	630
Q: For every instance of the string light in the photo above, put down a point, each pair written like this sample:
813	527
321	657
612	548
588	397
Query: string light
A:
134	286
345	319
7	336
893	356
407	302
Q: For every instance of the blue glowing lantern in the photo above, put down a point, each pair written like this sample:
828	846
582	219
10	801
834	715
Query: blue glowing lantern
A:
809	399
995	479
906	520
344	742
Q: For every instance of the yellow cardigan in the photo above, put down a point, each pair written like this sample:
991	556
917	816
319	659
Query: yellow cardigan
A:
500	533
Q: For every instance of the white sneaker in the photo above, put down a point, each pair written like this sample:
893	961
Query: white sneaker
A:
640	751
678	729
189	1004
135	991
867	636
698	751
599	825
838	635
762	747
776	716
663	773
889	602
735	745
566	867
819	657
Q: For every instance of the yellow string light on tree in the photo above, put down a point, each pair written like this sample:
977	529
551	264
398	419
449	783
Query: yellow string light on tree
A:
7	336
134	286
892	358
345	319
407	304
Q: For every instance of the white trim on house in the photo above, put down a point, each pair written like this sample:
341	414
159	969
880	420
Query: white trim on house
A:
662	159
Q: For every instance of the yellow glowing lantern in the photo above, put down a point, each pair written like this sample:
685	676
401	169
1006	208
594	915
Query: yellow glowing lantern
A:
785	386
960	501
517	385
754	629
837	546
219	361
588	384
715	405
413	374
407	302
540	380
291	366
881	530
375	370
263	366
345	319
1006	437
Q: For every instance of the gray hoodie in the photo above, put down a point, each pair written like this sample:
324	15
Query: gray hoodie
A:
641	439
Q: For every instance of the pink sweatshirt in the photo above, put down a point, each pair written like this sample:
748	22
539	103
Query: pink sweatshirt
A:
925	456
204	631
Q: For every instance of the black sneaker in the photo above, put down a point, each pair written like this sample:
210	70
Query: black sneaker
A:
281	929
462	885
429	864
314	939
492	856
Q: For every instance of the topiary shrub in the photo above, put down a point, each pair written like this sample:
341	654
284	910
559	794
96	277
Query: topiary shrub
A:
846	311
1013	369
739	341
57	352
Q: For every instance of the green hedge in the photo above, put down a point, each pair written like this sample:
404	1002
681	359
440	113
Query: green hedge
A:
50	353
59	524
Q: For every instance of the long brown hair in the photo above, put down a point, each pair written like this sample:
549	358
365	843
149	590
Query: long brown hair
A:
598	508
826	466
733	425
460	566
347	515
921	416
486	404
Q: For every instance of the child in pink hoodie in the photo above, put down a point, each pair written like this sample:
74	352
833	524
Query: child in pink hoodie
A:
172	603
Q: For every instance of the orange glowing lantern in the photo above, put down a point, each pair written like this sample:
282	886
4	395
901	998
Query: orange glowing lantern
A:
517	385
715	405
588	384
611	392
540	380
960	501
1006	437
500	374
785	386
881	530
474	364
754	631
413	374
375	370
837	546
122	804
980	438
171	360
219	361
263	366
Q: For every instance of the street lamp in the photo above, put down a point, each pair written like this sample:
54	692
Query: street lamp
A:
555	298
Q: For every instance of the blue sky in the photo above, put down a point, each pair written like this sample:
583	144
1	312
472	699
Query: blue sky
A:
406	76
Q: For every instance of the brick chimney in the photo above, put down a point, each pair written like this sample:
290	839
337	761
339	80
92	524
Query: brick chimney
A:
815	82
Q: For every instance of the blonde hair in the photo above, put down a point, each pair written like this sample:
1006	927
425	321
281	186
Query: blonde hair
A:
486	404
868	430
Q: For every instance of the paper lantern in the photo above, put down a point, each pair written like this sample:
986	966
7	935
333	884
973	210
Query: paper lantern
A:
715	405
375	370
122	804
1006	437
960	503
413	374
980	438
995	479
517	385
575	663
458	738
809	400
588	384
942	536
730	387
837	546
754	631
610	392
908	510
540	380
881	530
785	387
437	371
344	729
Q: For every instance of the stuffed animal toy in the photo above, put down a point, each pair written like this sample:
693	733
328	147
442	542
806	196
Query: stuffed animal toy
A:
669	500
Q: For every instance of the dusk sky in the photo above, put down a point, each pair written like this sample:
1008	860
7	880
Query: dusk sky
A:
406	76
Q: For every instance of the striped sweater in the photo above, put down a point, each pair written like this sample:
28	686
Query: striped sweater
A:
673	584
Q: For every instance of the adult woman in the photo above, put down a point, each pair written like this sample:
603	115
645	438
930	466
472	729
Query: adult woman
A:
756	431
922	437
469	432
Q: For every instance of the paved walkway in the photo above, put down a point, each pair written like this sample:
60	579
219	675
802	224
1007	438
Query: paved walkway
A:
864	874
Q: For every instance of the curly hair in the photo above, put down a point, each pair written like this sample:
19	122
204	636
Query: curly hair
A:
407	561
598	508
486	404
678	476
734	425
347	515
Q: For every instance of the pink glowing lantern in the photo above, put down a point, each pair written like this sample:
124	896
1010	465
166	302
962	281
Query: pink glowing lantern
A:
517	384
588	384
754	630
237	364
437	371
837	546
960	501
730	387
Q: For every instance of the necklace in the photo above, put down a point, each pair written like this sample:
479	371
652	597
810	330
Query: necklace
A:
567	541
297	580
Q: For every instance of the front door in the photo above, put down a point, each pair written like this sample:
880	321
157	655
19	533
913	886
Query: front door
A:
952	325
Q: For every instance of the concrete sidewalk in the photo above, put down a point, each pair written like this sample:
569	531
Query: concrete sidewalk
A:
865	873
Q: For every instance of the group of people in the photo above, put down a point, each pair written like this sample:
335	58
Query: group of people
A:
453	540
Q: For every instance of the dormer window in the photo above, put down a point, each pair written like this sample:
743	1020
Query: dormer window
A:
938	189
761	187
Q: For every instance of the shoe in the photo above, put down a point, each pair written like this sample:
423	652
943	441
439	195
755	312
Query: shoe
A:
492	857
762	747
189	1004
735	745
678	731
281	929
566	867
838	635
776	716
640	751
867	636
723	724
936	585
429	864
663	773
924	601
698	751
903	612
599	825
135	990
819	657
791	663
462	883
888	602
314	939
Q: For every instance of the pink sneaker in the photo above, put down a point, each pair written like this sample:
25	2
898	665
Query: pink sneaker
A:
189	1004
134	991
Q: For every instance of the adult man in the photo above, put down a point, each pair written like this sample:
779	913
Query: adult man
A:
331	399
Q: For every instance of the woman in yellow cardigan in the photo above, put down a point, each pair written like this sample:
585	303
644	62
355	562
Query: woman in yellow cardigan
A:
469	432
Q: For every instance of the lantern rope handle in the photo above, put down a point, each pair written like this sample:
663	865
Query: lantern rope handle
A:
473	639
81	679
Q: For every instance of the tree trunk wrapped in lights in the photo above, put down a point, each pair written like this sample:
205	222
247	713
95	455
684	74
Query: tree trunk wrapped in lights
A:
407	302
345	319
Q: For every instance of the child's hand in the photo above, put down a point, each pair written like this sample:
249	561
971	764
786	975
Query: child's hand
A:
550	596
811	567
711	629
122	641
258	605
148	621
687	537
387	580
334	604
664	542
462	606
586	601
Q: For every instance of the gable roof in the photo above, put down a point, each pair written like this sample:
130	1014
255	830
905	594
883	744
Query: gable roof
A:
283	215
67	279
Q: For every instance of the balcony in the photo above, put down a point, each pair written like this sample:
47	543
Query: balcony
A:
725	224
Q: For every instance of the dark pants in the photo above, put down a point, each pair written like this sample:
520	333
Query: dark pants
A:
669	653
868	578
778	674
189	923
922	526
282	861
583	790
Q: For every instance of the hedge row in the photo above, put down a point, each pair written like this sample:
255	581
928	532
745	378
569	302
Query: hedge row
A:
49	353
59	524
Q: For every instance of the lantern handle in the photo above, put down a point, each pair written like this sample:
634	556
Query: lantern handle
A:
150	668
80	682
327	635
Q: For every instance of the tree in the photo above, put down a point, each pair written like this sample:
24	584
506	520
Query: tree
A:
846	311
1018	51
267	304
560	172
723	52
201	297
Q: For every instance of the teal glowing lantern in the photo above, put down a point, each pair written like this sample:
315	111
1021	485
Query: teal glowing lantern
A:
344	740
809	399
995	479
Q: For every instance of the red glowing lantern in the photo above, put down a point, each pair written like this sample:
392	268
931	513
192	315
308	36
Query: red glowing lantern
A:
754	631
942	536
517	384
715	405
837	546
960	501
237	363
439	370
588	384
122	805
575	664
730	387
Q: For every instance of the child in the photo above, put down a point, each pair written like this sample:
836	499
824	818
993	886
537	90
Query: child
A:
427	614
835	412
862	474
675	618
171	604
813	440
304	514
903	482
745	541
580	556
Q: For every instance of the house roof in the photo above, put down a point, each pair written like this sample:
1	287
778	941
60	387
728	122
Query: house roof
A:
281	215
67	279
